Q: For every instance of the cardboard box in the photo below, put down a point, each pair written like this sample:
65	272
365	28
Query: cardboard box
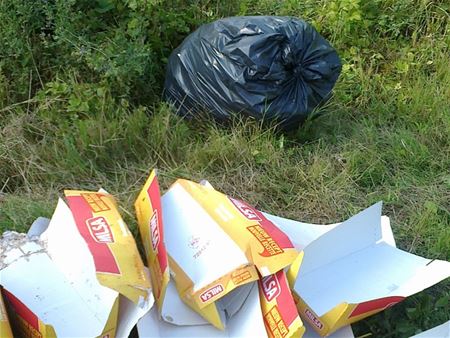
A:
302	234
78	275
214	259
354	270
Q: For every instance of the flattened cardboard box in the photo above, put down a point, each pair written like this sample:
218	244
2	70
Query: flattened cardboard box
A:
78	275
207	274
359	273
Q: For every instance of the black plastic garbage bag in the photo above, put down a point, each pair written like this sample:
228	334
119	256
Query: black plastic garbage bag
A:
267	67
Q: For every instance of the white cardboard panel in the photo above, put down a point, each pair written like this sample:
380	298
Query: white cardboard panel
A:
352	263
386	231
54	299
176	312
70	253
129	315
357	233
345	332
302	234
59	283
368	274
231	303
441	331
200	239
425	276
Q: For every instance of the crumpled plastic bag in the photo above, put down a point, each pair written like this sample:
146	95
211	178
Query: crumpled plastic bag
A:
270	68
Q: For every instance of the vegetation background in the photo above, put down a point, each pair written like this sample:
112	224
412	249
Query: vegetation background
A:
80	88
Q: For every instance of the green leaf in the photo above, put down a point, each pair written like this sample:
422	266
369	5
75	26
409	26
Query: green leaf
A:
104	6
443	301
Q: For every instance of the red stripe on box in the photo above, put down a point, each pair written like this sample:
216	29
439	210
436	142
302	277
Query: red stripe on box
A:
22	310
282	296
274	232
104	259
155	203
376	304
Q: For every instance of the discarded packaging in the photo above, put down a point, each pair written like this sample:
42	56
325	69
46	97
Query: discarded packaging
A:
248	322
358	273
80	274
218	268
358	230
216	247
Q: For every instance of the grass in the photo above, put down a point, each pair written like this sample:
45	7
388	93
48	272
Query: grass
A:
74	113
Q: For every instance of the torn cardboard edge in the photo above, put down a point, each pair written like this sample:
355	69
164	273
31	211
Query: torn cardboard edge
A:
50	272
441	331
248	322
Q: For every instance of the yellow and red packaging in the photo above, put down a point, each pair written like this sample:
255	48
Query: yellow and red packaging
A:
81	276
268	311
278	306
253	244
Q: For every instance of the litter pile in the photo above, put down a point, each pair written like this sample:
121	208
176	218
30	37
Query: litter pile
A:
217	267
